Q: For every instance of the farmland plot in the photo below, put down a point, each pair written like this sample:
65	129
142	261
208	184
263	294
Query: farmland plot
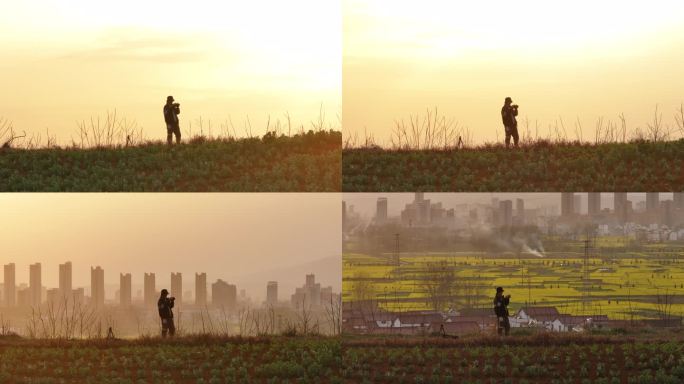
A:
209	360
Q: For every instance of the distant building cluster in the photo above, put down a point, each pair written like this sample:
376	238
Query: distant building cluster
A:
367	318
311	294
653	218
423	212
223	294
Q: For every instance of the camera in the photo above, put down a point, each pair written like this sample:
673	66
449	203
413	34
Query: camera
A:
515	106
176	104
172	298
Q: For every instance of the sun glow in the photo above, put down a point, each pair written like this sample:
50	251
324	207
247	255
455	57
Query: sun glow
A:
74	59
582	59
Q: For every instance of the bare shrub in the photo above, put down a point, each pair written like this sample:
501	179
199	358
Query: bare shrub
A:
433	131
333	311
655	130
108	131
679	119
7	134
429	131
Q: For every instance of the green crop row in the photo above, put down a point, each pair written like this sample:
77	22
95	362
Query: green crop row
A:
297	360
642	362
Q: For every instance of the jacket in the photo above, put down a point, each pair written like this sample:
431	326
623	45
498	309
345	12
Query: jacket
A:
501	305
171	113
164	305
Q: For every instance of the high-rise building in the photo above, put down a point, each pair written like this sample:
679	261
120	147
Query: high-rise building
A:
24	297
223	294
150	290
272	293
97	293
35	284
423	210
200	289
567	203
10	285
620	205
65	286
594	203
381	210
344	215
520	210
177	287
577	204
505	215
54	297
79	296
125	289
308	295
678	200
668	214
652	202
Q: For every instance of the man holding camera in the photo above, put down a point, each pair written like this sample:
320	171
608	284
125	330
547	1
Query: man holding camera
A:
508	114
501	311
164	305
171	112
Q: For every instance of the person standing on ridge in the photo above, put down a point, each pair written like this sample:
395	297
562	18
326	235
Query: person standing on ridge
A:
171	112
508	113
501	310
165	304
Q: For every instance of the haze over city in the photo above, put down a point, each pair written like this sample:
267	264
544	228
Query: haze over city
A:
67	61
583	60
244	239
365	203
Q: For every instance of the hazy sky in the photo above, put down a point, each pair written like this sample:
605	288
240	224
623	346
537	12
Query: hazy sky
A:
365	203
226	235
66	60
555	59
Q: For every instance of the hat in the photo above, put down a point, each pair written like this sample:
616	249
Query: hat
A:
169	98
499	289
164	292
507	99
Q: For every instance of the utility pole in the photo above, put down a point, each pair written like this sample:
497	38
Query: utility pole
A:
585	277
396	250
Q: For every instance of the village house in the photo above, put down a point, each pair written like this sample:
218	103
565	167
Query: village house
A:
535	316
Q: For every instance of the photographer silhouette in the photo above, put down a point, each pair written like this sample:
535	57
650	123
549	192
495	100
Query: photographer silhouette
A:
501	311
165	304
171	112
508	113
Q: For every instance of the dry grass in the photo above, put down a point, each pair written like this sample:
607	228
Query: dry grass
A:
435	131
113	130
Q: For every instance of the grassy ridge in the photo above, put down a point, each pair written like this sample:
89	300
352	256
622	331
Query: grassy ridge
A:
181	360
303	162
539	167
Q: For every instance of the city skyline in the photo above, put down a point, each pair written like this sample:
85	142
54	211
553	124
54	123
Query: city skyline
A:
365	204
100	292
222	234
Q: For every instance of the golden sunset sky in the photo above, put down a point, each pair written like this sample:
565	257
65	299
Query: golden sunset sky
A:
67	60
556	60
